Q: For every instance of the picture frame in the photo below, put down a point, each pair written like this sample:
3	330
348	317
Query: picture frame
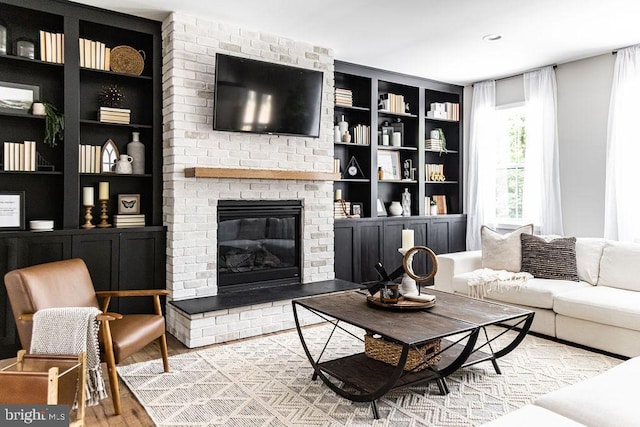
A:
128	204
357	209
12	215
389	161
382	211
17	98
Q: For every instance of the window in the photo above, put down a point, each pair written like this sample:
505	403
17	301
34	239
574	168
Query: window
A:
510	163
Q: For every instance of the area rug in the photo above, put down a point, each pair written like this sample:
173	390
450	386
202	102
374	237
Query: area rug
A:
266	381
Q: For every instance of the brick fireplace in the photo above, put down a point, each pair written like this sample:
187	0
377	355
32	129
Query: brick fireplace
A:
190	203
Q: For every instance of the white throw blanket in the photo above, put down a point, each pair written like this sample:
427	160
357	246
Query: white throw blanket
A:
486	280
71	330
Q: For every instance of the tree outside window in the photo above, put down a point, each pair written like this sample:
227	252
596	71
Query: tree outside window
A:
510	163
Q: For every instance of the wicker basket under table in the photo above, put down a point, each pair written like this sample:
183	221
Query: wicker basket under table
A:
389	352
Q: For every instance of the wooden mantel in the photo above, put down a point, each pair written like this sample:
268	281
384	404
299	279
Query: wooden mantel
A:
198	172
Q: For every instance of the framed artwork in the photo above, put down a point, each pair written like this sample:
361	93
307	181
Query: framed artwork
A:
356	209
389	162
128	204
17	98
11	210
382	211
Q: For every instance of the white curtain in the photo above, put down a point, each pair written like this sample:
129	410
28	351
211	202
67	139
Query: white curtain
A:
622	198
541	190
482	161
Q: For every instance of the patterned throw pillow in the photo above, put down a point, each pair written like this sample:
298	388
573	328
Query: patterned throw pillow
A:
502	251
549	259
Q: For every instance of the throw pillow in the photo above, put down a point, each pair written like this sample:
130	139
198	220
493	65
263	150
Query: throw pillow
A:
502	251
549	259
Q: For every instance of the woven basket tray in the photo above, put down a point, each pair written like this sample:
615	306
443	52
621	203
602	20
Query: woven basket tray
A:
388	352
125	59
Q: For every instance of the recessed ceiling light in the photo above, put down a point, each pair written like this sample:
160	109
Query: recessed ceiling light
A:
492	37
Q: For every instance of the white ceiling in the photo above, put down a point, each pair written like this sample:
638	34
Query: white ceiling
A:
437	39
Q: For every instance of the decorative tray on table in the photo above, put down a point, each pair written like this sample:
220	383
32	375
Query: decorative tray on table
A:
402	304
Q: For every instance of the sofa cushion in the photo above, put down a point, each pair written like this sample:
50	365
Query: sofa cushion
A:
538	293
502	251
606	400
601	304
549	259
620	266
588	255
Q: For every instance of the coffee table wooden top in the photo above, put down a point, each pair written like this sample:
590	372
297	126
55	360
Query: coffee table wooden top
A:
452	314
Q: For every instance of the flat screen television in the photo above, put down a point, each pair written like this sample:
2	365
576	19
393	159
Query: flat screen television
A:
262	97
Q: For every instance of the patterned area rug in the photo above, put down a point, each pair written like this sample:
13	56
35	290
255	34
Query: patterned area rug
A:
266	381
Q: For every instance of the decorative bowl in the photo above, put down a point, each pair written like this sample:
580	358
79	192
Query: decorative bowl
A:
41	225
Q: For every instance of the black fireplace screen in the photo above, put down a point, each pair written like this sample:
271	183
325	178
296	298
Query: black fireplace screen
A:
258	243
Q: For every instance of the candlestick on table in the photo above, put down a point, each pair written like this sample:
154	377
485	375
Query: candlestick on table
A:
103	214
88	217
407	239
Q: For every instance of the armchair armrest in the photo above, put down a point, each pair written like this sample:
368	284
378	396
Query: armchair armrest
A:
27	317
450	265
155	293
109	316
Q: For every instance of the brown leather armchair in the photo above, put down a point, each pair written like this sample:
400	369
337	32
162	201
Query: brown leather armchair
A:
68	284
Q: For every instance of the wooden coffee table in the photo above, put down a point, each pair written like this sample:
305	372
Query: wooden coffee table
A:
459	322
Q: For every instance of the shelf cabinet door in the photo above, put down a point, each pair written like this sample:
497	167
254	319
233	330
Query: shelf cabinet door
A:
392	258
38	249
345	249
100	253
142	266
370	244
9	342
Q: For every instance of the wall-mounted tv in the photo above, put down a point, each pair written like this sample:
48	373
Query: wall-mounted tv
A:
262	97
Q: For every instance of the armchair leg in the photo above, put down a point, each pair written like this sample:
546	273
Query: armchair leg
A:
111	367
165	352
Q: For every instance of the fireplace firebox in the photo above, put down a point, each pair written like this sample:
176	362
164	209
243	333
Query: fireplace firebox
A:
259	243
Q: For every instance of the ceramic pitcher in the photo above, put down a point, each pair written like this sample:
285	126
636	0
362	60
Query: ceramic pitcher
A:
124	164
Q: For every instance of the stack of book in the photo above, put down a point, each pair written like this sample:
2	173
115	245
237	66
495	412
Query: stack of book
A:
89	158
434	172
344	97
361	134
94	54
433	144
444	110
19	156
336	165
114	115
392	103
128	221
341	209
51	47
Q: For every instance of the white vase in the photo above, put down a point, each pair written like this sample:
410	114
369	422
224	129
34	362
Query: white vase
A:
123	165
406	203
434	210
395	209
135	149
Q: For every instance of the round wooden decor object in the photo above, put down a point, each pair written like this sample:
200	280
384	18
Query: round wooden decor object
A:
125	59
409	271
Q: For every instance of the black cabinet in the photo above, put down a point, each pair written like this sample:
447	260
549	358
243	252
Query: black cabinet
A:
117	259
361	243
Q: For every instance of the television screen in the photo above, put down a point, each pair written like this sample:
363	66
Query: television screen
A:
261	97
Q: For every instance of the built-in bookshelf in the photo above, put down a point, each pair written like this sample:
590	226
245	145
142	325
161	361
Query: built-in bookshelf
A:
400	112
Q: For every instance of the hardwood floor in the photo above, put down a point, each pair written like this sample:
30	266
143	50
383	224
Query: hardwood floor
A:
133	414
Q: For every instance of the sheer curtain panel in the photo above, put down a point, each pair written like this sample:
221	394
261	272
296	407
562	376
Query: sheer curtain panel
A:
622	199
541	190
482	160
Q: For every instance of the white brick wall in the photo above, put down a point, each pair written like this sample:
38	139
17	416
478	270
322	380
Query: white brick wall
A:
189	48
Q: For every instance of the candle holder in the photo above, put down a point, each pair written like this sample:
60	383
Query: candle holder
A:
408	285
88	217
103	214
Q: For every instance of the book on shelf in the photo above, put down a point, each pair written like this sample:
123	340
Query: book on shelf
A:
444	111
94	54
361	134
434	144
344	97
128	220
434	172
392	103
336	165
51	47
114	115
89	158
341	209
19	156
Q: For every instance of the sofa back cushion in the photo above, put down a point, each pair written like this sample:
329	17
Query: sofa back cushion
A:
502	251
620	266
549	259
588	255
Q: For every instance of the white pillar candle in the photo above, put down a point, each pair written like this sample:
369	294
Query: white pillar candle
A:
103	191
407	239
87	196
338	194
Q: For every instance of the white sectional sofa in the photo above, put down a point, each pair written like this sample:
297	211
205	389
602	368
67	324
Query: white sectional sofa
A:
606	400
601	310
